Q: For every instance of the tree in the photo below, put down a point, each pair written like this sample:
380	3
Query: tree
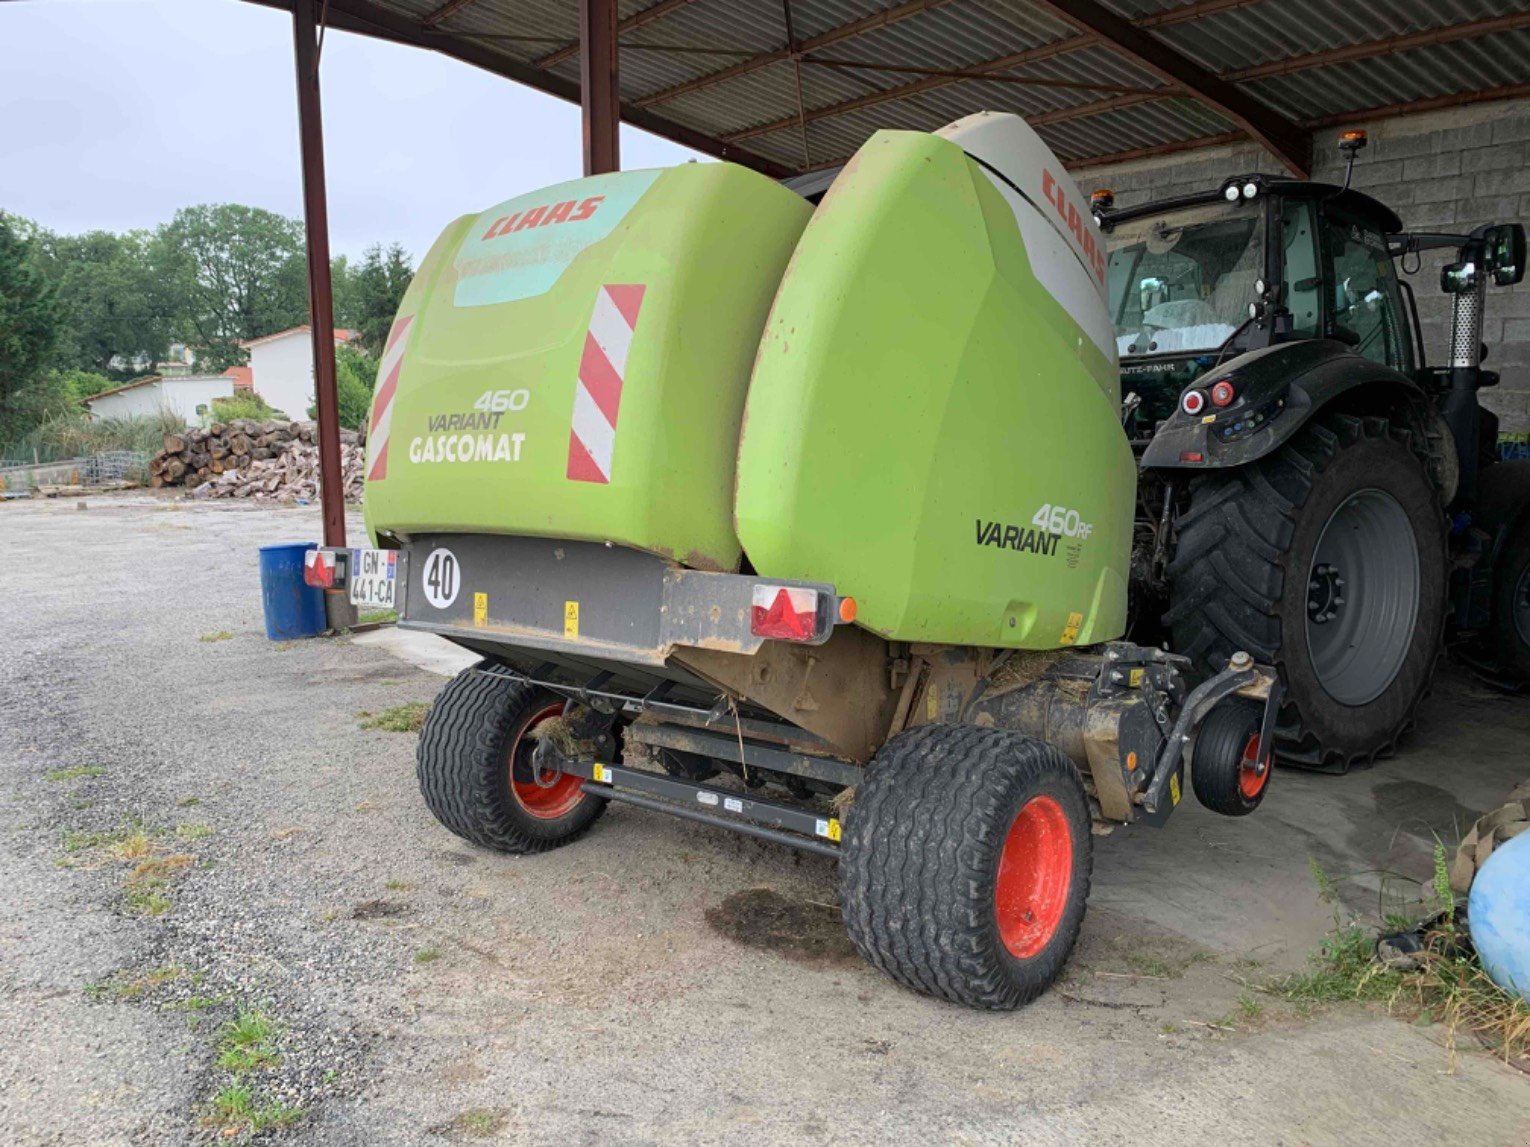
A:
375	290
29	326
110	301
235	272
355	375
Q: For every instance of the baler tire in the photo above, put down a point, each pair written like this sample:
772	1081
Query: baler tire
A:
463	764
1251	532
920	867
1222	771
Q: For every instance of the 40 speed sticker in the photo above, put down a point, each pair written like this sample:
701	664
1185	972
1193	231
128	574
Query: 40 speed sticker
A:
442	577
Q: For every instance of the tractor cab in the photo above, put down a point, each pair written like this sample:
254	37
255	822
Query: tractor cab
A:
1198	280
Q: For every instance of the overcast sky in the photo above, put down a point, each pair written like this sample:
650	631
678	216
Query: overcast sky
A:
113	113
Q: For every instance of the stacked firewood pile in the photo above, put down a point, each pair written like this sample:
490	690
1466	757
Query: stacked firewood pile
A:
245	458
293	475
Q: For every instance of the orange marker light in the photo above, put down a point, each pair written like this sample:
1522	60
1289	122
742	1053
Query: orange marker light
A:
847	609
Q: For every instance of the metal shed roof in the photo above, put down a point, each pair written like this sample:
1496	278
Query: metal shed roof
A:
794	86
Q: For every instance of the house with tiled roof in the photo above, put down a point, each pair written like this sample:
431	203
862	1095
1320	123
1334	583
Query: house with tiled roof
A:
281	368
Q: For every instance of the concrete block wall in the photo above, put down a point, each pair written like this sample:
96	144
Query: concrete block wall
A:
1446	171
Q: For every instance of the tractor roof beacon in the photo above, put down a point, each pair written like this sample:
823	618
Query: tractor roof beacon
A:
1313	491
888	612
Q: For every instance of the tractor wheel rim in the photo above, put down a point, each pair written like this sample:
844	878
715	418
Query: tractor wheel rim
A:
1252	776
1521	610
1362	597
1035	873
544	803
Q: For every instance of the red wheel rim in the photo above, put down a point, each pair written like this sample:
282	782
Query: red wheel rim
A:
562	795
1252	776
1035	873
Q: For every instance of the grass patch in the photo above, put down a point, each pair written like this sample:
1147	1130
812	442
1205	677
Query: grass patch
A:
247	1042
193	831
479	1123
234	1108
134	845
162	867
1446	987
74	774
127	987
406	718
218	635
188	802
396	885
377	616
427	955
148	898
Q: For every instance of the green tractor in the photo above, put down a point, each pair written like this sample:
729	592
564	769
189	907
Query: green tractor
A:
1313	491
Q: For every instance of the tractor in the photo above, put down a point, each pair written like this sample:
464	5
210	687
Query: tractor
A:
1313	492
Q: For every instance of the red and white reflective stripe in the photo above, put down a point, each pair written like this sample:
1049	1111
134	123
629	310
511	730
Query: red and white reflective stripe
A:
598	394
382	404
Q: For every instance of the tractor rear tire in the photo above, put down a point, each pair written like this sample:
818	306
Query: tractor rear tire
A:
965	864
1252	572
1511	601
475	771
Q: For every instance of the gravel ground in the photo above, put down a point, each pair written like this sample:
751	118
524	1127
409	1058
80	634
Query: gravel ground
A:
196	827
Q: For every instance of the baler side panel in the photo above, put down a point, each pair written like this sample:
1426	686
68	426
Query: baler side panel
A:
918	400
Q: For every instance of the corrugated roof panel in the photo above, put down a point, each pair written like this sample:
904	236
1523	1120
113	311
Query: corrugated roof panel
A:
965	34
1424	73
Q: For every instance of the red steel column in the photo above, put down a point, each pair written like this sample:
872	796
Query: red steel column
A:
599	93
320	298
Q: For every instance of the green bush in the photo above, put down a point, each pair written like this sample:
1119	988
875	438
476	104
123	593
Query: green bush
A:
245	404
355	374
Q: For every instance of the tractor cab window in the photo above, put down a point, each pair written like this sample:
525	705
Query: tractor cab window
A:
1182	281
1364	304
1304	286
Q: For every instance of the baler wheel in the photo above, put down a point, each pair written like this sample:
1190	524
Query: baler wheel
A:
965	864
1227	771
475	771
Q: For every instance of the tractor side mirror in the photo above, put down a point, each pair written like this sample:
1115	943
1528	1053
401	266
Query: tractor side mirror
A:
1505	253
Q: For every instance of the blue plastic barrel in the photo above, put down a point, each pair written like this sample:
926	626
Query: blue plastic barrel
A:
293	609
1499	911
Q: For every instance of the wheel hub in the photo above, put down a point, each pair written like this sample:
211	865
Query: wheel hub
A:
1325	593
1035	871
1362	597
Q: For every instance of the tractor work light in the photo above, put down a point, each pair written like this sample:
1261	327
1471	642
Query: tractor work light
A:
319	569
1250	190
1192	402
788	613
1222	394
1231	193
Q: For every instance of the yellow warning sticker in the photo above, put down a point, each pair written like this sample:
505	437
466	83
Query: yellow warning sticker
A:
1174	789
570	619
602	774
1134	678
834	830
480	609
1210	418
932	702
1070	631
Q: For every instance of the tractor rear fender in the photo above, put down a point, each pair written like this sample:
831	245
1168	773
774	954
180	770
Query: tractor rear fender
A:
1276	390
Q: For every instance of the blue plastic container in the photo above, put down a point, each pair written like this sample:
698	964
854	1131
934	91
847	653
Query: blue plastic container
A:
1499	911
293	609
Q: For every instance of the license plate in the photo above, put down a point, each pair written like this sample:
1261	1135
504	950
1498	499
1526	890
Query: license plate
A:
374	575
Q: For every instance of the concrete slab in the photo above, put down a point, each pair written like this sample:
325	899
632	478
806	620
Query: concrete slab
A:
422	650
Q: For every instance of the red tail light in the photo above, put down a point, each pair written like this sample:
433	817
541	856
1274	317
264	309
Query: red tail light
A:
319	569
786	613
1222	394
1192	402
